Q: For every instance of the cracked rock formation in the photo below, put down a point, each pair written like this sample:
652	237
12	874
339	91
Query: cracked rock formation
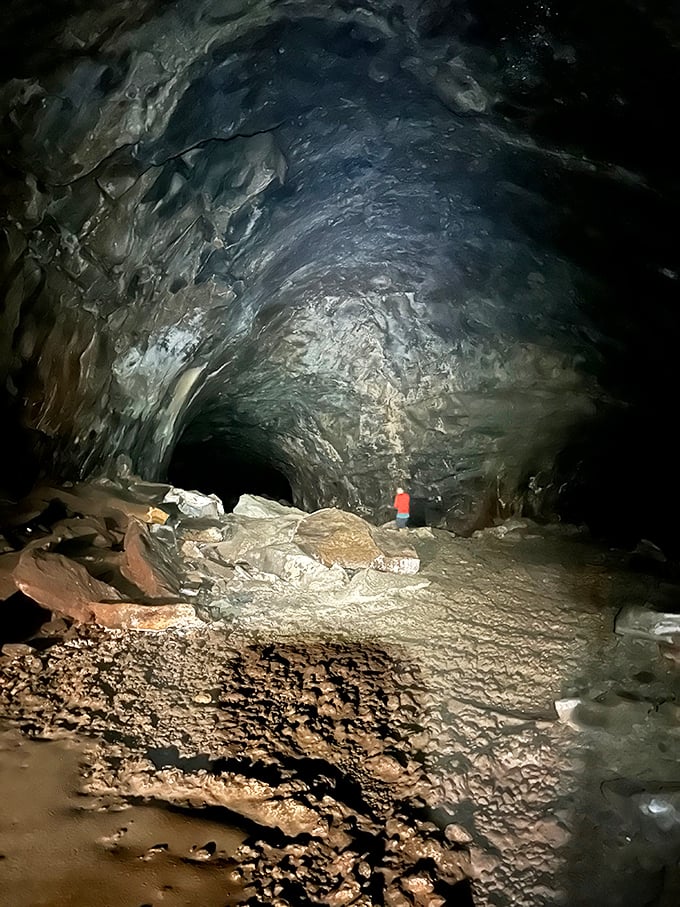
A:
328	248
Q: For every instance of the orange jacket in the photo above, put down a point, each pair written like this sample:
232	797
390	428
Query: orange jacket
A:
402	503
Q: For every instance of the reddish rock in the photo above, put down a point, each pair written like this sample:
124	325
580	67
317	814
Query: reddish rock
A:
61	585
148	564
129	616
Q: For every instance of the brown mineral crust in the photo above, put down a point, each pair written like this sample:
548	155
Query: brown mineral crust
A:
256	800
275	753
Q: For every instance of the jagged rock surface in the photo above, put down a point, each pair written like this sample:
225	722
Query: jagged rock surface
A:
336	242
129	573
386	741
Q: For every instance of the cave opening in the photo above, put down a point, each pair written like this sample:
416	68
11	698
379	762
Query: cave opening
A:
215	466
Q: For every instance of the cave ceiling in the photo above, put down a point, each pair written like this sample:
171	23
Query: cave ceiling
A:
364	244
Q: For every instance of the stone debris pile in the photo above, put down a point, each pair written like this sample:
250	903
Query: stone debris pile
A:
146	556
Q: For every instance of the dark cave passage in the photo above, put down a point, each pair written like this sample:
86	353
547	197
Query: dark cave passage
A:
424	244
213	466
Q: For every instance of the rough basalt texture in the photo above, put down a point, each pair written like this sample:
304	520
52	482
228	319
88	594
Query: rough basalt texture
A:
384	743
342	243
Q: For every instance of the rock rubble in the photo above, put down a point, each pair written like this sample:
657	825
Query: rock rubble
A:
380	738
110	554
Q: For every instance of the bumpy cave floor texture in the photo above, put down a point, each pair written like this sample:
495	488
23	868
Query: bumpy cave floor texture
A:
279	257
452	721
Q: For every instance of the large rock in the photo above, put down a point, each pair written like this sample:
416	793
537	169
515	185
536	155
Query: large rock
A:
335	537
257	508
254	526
195	505
149	564
396	554
290	563
61	585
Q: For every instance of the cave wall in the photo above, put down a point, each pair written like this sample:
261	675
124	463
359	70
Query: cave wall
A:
347	239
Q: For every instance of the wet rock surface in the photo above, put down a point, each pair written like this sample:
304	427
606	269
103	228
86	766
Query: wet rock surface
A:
59	846
474	733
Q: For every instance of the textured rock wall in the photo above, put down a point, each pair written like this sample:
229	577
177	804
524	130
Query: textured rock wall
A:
319	235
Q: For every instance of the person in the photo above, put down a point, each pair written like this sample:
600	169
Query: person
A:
402	504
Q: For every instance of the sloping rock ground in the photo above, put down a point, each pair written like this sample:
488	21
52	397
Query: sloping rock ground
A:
384	739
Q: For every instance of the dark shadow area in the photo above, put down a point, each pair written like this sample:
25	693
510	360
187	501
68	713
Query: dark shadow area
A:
23	456
22	617
425	512
214	467
591	87
621	480
31	26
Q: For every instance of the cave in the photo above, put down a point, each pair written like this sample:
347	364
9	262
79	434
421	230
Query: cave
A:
294	256
424	244
215	466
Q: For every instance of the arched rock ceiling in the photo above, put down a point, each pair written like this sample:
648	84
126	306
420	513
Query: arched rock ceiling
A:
363	243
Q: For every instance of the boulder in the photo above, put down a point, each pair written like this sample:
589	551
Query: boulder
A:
61	585
149	564
248	534
659	626
396	554
195	505
253	507
289	563
335	537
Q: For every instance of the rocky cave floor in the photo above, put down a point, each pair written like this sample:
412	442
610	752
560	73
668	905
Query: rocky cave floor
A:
475	733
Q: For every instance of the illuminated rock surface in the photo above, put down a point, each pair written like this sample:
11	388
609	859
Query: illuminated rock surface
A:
384	738
336	248
312	250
